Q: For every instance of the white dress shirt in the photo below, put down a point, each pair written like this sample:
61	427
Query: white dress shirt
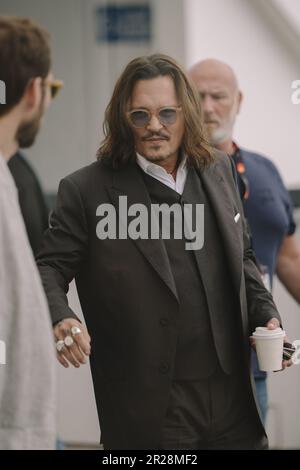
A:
159	173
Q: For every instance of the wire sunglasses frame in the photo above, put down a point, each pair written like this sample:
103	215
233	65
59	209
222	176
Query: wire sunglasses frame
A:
167	115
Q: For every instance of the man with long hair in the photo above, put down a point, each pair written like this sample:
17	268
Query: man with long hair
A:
168	326
27	376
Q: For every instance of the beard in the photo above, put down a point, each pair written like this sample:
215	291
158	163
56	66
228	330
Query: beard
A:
218	136
223	132
27	131
158	158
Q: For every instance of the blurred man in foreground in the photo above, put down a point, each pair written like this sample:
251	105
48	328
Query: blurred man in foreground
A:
27	379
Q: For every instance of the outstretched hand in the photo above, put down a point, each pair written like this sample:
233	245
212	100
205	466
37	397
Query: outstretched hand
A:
72	342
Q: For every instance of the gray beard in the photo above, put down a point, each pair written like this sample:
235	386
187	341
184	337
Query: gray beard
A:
219	136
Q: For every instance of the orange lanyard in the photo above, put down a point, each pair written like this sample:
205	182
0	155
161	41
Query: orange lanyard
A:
241	170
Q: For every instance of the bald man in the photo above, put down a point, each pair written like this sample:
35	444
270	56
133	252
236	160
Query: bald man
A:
266	201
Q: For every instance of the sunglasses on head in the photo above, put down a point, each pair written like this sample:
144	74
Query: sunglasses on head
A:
55	86
141	117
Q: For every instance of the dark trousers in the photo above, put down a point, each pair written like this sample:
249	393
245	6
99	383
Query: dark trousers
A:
212	413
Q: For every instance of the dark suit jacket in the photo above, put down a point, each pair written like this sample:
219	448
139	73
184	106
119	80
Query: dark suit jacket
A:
32	202
129	298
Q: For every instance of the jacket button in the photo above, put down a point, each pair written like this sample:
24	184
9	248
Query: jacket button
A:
164	321
164	367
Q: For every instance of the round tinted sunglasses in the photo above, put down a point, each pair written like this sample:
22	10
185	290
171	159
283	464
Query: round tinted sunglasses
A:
141	117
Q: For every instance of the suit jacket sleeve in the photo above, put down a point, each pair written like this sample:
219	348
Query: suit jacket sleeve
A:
63	249
260	303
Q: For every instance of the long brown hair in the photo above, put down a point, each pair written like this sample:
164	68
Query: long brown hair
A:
117	148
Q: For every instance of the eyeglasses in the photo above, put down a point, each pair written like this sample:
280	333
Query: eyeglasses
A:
55	86
141	117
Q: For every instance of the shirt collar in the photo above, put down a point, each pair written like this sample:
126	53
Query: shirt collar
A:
149	166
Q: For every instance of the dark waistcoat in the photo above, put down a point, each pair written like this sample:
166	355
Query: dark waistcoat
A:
207	323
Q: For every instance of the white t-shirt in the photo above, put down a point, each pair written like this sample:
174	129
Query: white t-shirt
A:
27	380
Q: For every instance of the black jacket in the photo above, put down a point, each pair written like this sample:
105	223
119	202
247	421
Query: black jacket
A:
32	202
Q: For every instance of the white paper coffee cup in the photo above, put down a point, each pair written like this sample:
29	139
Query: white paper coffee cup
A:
269	348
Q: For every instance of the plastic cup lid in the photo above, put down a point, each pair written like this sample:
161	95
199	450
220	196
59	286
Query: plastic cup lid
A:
264	332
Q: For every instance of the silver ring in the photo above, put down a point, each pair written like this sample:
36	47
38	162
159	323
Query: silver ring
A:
60	344
75	330
68	341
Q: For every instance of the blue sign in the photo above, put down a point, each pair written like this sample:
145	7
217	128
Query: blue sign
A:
121	23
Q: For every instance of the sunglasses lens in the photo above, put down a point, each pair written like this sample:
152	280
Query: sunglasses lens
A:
139	118
55	87
54	90
167	116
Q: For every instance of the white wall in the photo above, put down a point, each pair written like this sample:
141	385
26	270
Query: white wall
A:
234	31
290	8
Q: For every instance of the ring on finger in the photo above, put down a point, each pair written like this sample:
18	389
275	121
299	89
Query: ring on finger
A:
60	344
68	341
75	330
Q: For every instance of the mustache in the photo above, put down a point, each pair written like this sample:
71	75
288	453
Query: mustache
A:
152	136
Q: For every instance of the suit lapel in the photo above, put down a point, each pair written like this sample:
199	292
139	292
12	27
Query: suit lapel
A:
225	212
129	182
